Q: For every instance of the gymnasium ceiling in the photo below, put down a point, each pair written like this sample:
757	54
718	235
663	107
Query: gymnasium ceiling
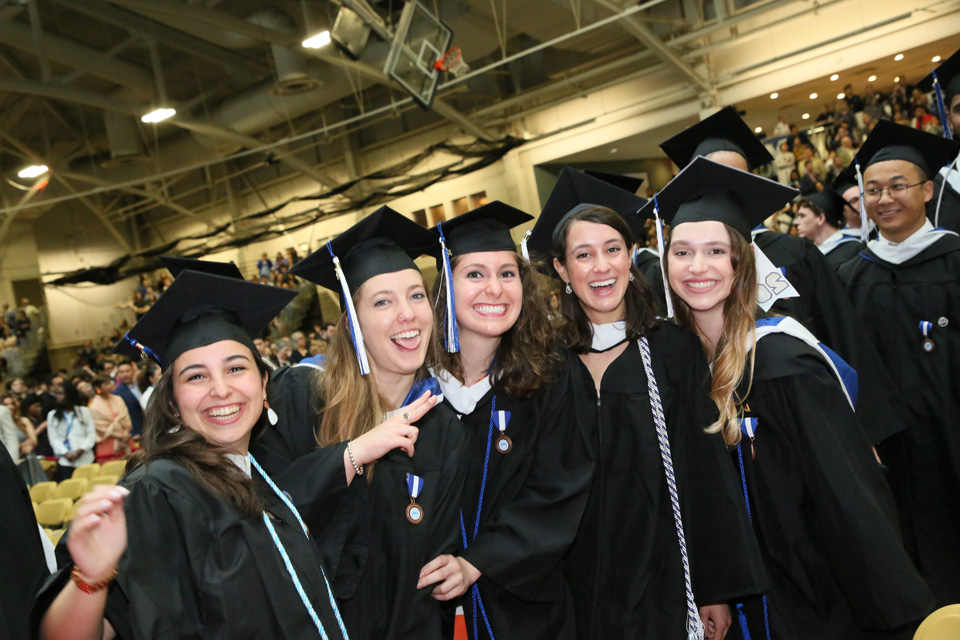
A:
255	108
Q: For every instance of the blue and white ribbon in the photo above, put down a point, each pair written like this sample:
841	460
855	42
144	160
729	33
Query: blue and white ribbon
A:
749	427
502	419
694	624
289	564
355	334
925	328
144	349
451	337
414	485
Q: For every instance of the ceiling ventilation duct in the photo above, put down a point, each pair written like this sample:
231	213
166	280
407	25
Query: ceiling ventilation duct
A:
123	136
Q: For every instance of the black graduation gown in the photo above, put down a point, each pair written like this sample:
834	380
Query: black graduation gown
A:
949	207
823	514
843	252
533	501
379	563
925	461
21	552
824	308
195	567
624	566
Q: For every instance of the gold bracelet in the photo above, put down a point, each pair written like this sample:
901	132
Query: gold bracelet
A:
85	586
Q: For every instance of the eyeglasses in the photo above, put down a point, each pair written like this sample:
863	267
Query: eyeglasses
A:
896	191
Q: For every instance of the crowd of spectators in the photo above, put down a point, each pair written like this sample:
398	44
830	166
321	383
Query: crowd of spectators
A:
810	160
277	271
15	325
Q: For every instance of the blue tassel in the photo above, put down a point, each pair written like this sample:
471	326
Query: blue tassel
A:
942	108
742	619
145	351
355	334
451	336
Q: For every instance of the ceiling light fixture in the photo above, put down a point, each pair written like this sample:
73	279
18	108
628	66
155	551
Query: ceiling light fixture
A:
813	96
872	79
898	57
758	130
158	115
841	96
935	59
614	150
33	171
805	116
834	77
897	79
322	39
774	95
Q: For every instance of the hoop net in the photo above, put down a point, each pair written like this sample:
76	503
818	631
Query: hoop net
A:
452	62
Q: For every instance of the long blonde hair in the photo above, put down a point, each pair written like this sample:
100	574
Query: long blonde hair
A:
352	404
734	352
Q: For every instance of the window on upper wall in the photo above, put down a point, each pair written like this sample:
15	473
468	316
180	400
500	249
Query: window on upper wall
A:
460	206
478	199
420	217
437	214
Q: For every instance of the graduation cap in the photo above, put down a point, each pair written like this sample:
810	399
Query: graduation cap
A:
486	228
625	182
574	192
176	265
831	204
707	190
945	82
723	131
845	179
383	242
200	309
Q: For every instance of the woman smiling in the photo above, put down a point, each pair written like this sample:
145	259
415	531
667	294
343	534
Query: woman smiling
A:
235	560
528	469
371	410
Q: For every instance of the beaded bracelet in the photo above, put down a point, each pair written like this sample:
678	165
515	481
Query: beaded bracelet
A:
87	587
353	461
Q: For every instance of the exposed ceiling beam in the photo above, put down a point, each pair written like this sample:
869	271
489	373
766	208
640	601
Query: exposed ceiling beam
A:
226	21
653	42
167	35
110	104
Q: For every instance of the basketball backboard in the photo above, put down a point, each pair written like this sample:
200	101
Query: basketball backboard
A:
420	40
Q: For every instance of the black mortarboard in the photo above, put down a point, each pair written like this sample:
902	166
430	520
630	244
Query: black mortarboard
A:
625	182
948	75
574	191
708	190
486	228
845	179
890	141
831	204
176	265
383	242
200	309
723	131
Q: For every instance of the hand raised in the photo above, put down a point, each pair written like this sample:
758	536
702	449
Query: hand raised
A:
98	535
397	432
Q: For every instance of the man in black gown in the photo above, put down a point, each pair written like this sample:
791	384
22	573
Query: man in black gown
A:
906	288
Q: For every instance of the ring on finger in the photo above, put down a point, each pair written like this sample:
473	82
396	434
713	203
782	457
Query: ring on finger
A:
406	416
410	432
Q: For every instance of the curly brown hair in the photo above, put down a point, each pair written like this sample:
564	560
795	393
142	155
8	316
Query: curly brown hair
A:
166	437
526	354
640	316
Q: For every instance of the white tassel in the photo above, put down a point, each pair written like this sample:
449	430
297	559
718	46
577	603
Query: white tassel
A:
663	259
355	332
524	251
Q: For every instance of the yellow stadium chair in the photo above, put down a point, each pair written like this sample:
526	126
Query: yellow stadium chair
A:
72	513
57	535
72	488
53	512
88	471
942	624
113	468
42	490
104	480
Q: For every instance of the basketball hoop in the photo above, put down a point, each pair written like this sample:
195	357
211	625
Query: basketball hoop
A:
452	62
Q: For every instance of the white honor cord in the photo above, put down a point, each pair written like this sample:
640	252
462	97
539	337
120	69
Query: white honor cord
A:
289	564
695	629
